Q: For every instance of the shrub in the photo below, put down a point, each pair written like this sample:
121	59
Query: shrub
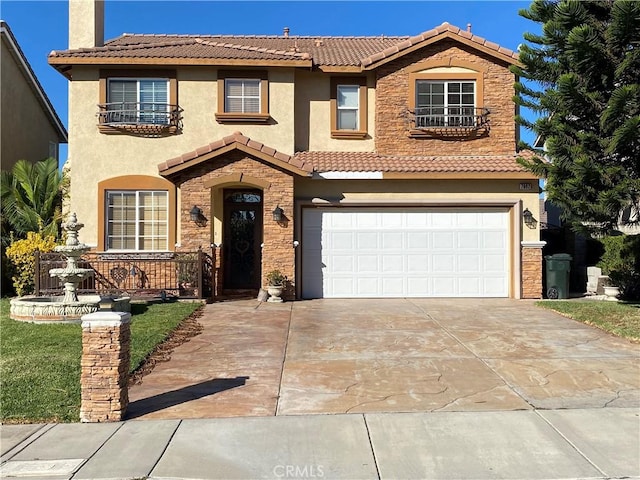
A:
21	254
275	278
621	261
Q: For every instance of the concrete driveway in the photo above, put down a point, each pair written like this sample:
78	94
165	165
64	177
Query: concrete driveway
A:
391	355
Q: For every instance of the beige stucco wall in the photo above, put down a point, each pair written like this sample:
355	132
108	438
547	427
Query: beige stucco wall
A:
26	129
86	23
423	191
98	156
313	115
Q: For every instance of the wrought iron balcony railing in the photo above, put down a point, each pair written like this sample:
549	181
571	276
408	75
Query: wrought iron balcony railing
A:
467	118
140	114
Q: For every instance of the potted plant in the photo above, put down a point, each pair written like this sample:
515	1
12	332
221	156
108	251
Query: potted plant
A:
275	285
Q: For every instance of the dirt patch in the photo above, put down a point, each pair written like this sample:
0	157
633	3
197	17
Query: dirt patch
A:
185	331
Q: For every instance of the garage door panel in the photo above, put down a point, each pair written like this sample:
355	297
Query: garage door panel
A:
469	264
494	263
493	286
367	240
391	240
417	240
494	239
393	286
443	240
468	240
343	263
397	252
393	263
417	263
443	263
442	220
367	263
367	286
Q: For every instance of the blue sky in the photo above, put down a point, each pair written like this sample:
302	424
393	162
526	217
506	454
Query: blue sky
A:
42	26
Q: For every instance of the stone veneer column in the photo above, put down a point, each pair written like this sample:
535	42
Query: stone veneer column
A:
532	269
106	338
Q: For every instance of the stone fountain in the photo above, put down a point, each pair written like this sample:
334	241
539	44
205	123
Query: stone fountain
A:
72	275
70	307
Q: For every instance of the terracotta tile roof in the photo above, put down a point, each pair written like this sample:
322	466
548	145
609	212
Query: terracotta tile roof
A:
373	162
357	161
323	51
235	138
184	48
445	27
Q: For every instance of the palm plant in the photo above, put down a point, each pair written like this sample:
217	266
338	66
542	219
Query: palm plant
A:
31	195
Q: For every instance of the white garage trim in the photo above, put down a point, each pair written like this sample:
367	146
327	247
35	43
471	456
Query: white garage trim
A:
402	250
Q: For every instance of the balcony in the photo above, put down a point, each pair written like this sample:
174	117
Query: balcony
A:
143	119
449	122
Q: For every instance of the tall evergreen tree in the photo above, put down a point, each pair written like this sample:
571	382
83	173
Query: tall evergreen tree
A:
31	195
585	68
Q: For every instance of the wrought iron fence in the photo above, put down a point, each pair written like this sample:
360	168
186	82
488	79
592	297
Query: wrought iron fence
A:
451	117
132	113
183	274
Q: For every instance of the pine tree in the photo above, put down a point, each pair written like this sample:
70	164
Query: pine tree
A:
586	70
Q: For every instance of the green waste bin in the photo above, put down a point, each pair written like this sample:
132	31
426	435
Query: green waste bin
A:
557	274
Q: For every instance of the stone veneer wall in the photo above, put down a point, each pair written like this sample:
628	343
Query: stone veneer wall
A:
106	342
392	103
278	251
531	272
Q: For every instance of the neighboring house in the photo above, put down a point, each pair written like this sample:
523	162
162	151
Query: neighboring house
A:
358	166
31	129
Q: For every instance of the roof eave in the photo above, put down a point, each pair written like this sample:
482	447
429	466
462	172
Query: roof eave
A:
519	175
167	171
438	38
60	62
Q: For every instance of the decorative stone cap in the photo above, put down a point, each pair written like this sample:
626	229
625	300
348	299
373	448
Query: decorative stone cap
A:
533	244
105	319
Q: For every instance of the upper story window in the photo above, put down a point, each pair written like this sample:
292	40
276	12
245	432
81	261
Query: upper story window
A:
446	99
139	102
349	107
243	96
137	220
445	103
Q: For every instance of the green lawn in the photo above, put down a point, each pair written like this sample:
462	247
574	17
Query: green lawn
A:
40	364
621	319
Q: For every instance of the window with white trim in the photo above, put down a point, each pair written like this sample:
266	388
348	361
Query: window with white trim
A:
138	100
445	103
242	95
137	220
348	105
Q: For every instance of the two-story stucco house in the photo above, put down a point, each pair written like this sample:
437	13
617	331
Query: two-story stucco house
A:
358	166
31	129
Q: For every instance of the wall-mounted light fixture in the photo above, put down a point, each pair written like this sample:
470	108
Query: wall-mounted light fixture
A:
529	221
278	214
195	214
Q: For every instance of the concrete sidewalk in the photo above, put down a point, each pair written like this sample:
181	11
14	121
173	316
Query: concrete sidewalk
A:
526	444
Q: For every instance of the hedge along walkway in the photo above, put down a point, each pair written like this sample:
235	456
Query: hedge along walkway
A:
40	364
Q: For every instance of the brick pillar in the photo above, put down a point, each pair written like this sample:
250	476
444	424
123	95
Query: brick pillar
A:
106	339
532	269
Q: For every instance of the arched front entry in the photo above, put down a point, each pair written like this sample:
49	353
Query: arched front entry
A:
242	231
238	230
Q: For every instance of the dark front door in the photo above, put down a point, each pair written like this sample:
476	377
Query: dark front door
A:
242	239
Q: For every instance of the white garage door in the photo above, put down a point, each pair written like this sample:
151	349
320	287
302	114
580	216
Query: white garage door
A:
405	252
